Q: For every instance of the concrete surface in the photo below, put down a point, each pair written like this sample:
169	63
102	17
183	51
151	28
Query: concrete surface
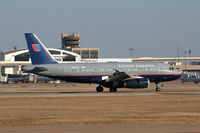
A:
77	108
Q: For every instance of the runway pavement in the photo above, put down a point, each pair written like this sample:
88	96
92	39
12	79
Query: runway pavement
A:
104	129
88	94
79	108
81	90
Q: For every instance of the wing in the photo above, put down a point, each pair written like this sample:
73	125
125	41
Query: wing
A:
122	76
119	77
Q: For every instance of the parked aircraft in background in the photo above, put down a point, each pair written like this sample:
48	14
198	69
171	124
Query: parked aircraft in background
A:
190	77
111	75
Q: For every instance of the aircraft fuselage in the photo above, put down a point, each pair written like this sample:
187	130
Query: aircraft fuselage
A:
95	72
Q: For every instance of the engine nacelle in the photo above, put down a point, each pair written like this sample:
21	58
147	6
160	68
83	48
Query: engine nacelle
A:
137	83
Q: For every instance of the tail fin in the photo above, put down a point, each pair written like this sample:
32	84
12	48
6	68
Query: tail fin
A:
38	52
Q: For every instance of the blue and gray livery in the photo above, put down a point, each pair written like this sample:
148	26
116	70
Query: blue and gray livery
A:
111	75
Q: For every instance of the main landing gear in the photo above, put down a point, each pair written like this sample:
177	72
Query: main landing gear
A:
100	89
157	86
113	89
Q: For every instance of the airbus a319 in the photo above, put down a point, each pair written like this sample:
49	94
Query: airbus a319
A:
112	75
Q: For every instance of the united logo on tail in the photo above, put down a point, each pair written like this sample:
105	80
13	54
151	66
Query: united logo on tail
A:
36	47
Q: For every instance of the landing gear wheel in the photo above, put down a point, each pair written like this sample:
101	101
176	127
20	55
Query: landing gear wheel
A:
113	89
157	86
158	89
99	89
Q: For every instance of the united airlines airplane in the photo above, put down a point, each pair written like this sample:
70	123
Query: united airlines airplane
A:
111	75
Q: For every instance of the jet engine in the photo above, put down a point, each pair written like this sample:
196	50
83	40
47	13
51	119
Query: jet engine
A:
137	83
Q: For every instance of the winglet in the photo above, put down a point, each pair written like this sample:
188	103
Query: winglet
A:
38	52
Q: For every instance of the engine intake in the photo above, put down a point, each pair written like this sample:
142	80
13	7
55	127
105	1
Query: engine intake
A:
137	83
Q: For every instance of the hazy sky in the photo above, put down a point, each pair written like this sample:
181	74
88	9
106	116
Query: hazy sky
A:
152	27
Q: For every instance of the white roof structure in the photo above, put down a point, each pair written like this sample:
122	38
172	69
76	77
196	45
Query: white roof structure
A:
58	54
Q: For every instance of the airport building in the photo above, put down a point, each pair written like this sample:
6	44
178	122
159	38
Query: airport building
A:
72	43
87	53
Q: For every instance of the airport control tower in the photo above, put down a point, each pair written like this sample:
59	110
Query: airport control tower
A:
70	41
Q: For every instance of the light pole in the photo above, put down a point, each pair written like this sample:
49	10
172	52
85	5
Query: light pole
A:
131	52
178	53
15	47
185	53
189	53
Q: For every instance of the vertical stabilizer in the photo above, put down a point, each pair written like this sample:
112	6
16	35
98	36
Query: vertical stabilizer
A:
38	52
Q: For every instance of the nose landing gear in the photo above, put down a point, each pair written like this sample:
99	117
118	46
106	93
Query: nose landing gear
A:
157	86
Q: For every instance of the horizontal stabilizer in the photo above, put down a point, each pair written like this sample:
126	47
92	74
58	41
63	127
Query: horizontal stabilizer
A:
37	70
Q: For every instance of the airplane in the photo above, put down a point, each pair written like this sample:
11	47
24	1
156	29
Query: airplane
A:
113	75
190	77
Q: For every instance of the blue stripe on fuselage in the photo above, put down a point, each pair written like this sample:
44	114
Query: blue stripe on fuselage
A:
98	78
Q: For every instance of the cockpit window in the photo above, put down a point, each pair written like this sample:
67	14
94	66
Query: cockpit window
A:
171	68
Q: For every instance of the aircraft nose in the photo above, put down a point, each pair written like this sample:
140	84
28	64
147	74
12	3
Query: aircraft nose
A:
178	75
